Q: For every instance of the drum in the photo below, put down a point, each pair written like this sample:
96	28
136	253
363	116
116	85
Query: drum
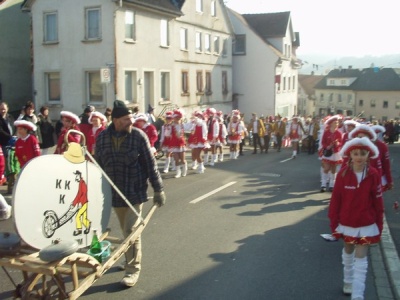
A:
55	199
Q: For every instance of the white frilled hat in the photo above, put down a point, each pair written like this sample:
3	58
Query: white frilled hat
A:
97	114
350	122
73	117
360	143
363	129
26	124
331	119
378	128
141	117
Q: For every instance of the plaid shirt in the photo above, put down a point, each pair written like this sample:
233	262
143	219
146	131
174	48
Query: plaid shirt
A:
128	161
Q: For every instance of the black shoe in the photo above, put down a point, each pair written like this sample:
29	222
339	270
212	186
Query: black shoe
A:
77	232
87	230
279	150
323	189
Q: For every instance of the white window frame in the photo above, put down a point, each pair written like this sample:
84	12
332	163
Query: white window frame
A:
164	33
88	77
48	86
183	38
199	44
207	43
216	44
165	85
225	47
242	39
46	35
199	6
131	90
213	8
130	28
88	35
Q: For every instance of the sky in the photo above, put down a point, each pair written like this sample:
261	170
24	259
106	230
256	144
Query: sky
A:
337	28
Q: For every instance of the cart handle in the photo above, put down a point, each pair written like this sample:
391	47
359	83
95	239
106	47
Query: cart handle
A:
77	132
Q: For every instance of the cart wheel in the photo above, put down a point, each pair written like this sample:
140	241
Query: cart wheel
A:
39	286
50	224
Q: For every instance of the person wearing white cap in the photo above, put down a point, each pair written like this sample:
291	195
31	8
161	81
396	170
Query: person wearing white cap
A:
212	135
97	123
141	122
330	146
295	134
178	143
27	145
356	212
235	131
198	141
165	141
69	121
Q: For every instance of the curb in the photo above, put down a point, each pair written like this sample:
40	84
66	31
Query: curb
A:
390	259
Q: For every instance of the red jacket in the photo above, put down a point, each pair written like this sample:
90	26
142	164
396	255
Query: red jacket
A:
26	149
332	139
385	160
356	205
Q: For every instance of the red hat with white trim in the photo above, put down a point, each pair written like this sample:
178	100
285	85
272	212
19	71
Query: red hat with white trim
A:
359	143
332	119
97	114
351	123
26	124
378	128
69	115
365	130
236	113
141	117
199	114
168	114
211	111
177	113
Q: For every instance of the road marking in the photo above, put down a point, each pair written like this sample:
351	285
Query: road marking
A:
286	160
212	192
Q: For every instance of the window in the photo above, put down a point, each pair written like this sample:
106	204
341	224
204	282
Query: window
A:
130	25
185	82
207	43
284	84
339	96
331	82
216	44
289	83
398	105
349	99
164	33
94	87
385	104
50	27
373	103
321	98
53	90
225	47
199	5
184	35
239	44
224	82
208	88
294	82
360	102
214	8
131	86
165	86
199	81
93	24
199	47
343	82
331	97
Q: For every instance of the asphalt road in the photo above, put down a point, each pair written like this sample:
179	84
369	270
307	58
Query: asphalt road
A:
258	237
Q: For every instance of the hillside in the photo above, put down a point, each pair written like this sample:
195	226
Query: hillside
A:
322	64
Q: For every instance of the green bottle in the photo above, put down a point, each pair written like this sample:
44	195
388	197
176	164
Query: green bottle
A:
95	246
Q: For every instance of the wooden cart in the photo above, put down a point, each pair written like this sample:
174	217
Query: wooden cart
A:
69	277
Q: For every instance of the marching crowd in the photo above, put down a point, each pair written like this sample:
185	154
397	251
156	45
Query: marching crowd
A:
354	155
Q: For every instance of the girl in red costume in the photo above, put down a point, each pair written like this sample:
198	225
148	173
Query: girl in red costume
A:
69	121
356	212
98	123
295	134
235	131
27	145
330	146
150	130
384	157
198	140
212	136
221	141
177	145
165	140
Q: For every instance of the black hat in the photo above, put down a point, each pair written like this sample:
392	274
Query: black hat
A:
150	109
89	109
119	109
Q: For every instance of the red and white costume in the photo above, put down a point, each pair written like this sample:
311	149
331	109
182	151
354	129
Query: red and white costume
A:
149	129
28	147
95	130
73	137
235	132
213	129
356	206
198	134
295	131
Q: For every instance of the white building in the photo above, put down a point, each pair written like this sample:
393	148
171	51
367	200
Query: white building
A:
264	63
141	51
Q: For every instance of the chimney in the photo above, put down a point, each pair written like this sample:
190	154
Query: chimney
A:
350	67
